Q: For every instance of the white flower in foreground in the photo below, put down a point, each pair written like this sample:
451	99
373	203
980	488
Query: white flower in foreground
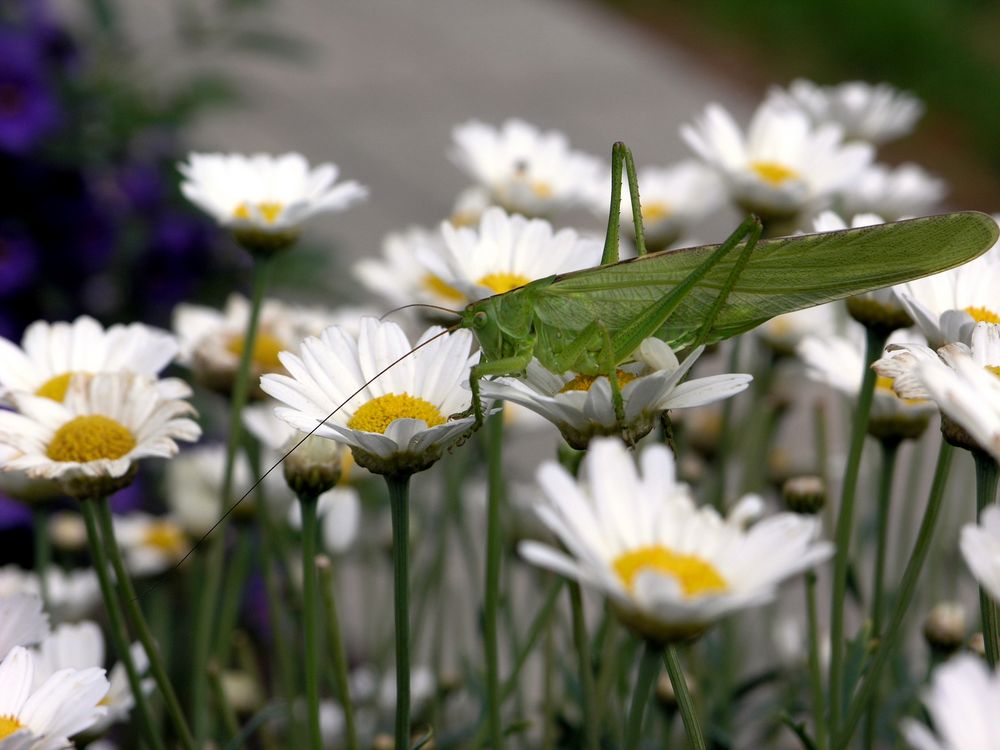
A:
507	252
150	544
264	193
783	166
893	192
44	718
51	353
526	170
871	112
981	549
963	701
400	422
673	200
22	621
581	405
91	441
670	568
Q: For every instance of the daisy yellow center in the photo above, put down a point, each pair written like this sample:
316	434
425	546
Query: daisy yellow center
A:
884	384
269	210
265	350
541	189
503	282
379	413
773	173
694	575
995	369
442	288
8	726
90	438
584	382
983	315
55	387
654	212
164	536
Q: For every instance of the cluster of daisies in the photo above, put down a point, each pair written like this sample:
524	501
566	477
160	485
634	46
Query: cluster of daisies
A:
346	390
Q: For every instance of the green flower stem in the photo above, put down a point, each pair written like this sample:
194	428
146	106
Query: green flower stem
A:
815	665
591	727
649	668
232	596
310	616
492	585
335	642
399	490
43	549
875	343
907	588
216	554
116	620
727	436
156	666
684	703
229	720
987	474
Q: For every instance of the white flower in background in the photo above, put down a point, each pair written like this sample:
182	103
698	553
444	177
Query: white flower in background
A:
670	568
893	192
51	353
526	170
962	700
71	595
783	166
784	332
581	405
398	422
339	512
507	252
469	206
91	441
400	277
673	200
44	718
263	192
981	549
876	113
150	544
22	621
81	646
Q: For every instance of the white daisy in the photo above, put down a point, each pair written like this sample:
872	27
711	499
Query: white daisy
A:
265	194
963	701
150	544
469	206
674	199
981	549
870	112
893	192
399	276
783	166
91	441
581	405
70	594
507	252
22	621
399	422
44	718
784	332
526	170
670	569
51	353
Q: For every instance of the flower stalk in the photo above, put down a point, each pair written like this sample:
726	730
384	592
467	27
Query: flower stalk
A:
310	616
649	668
987	475
399	490
336	645
492	585
684	703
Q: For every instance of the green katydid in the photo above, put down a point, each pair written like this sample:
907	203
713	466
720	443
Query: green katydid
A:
590	321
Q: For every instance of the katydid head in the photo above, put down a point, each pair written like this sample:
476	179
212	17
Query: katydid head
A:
501	323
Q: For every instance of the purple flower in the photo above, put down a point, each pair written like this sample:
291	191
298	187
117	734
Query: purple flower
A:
28	107
13	514
18	260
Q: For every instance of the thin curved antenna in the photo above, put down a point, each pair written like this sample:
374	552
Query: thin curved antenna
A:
291	450
385	315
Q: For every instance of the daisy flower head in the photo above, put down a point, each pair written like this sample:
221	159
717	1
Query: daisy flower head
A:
674	199
525	170
581	406
51	353
783	167
980	544
669	568
45	717
782	333
264	199
893	192
506	252
91	441
876	113
962	701
400	422
150	544
70	595
22	620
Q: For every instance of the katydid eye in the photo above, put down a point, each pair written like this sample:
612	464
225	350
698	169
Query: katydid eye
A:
479	319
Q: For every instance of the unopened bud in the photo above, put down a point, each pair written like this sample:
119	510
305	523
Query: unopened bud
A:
665	694
804	494
383	741
977	644
314	466
878	315
944	628
67	531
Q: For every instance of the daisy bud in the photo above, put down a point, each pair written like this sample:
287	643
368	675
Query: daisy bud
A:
977	644
874	313
944	628
665	694
67	531
242	691
314	466
804	494
383	741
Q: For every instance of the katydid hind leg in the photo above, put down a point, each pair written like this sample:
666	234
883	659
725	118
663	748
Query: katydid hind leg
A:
609	364
744	257
611	241
503	366
633	191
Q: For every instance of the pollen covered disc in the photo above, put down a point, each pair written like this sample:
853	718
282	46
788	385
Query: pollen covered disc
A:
379	413
90	438
773	173
584	382
265	350
55	387
8	726
983	315
503	282
269	210
694	575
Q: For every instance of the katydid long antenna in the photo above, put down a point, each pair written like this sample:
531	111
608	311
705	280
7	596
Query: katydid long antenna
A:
276	464
385	315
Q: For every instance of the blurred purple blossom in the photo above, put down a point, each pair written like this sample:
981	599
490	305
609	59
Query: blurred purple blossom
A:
29	109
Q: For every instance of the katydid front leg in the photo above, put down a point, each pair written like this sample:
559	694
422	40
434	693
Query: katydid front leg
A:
504	366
